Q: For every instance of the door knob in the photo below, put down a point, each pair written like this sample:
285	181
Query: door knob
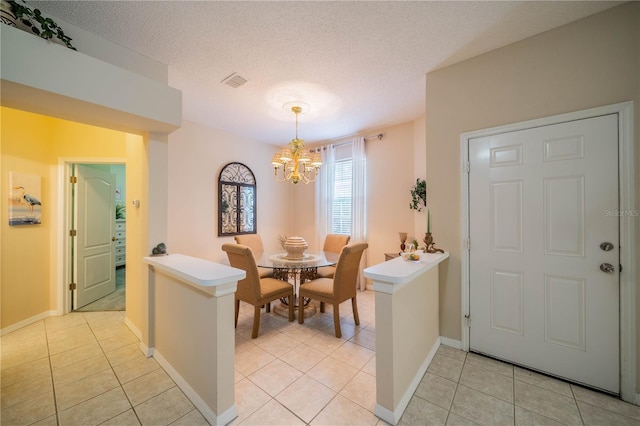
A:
114	238
607	268
606	246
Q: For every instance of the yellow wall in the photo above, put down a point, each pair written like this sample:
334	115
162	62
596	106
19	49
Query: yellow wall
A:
25	249
591	62
33	144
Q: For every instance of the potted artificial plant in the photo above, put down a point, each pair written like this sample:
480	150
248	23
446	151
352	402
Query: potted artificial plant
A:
36	21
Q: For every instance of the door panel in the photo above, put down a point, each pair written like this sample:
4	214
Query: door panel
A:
537	203
95	260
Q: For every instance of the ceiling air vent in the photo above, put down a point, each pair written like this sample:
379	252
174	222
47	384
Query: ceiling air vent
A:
234	80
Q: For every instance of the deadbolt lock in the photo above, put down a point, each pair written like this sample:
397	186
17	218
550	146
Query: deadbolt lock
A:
606	246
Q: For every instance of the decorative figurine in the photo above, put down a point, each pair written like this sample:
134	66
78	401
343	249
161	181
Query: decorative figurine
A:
159	250
430	245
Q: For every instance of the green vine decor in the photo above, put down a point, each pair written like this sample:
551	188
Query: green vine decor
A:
418	195
48	26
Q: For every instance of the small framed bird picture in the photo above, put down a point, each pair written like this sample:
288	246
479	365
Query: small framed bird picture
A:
25	206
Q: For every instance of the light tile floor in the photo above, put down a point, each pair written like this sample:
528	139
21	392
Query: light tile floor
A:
87	369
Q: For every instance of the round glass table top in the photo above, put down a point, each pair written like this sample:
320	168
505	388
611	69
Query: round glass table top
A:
314	259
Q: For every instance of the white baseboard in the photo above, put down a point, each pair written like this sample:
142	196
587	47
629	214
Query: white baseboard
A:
221	419
146	350
28	321
132	327
393	417
457	344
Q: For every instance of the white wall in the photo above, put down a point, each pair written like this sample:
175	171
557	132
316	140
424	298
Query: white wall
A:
196	156
393	164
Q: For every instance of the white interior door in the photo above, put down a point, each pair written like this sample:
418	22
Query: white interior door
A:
95	254
541	203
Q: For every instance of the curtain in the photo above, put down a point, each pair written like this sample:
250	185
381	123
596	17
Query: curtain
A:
324	194
359	206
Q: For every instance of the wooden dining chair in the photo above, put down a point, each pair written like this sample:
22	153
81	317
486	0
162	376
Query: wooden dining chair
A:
254	242
333	243
253	289
338	289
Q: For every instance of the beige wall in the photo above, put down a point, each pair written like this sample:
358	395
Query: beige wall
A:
196	157
588	63
393	164
391	172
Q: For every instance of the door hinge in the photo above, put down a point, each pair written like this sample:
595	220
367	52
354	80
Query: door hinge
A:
72	233
468	243
467	166
73	179
467	321
72	286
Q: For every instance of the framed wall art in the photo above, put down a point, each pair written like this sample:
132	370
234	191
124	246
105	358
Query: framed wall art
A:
25	207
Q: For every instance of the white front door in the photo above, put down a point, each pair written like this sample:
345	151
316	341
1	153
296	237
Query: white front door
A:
95	259
542	202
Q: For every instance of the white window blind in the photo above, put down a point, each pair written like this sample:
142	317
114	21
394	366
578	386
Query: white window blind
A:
342	190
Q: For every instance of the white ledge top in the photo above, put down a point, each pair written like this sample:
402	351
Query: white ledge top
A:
195	270
400	271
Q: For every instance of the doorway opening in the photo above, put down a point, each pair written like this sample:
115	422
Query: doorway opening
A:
95	256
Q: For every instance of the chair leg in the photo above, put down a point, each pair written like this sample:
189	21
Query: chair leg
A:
237	311
268	307
322	307
300	310
291	312
336	319
256	322
354	306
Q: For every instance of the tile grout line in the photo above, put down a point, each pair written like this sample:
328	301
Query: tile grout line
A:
513	394
575	401
53	383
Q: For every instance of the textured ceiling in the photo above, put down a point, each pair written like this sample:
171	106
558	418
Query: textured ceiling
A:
358	65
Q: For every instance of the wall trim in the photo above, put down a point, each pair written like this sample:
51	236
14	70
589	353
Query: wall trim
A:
628	250
132	327
26	322
393	417
457	344
221	419
63	252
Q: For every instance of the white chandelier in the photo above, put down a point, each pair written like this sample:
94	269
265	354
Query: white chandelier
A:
298	165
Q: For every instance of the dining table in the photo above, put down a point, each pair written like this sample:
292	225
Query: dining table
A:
296	271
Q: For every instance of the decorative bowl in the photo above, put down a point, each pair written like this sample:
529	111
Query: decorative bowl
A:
295	247
411	257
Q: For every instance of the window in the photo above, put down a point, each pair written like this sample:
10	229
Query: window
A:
236	200
342	200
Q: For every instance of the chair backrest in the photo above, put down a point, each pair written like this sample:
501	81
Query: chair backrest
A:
253	241
346	276
241	257
335	242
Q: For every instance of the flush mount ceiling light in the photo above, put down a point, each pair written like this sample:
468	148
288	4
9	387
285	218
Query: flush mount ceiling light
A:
297	163
325	103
